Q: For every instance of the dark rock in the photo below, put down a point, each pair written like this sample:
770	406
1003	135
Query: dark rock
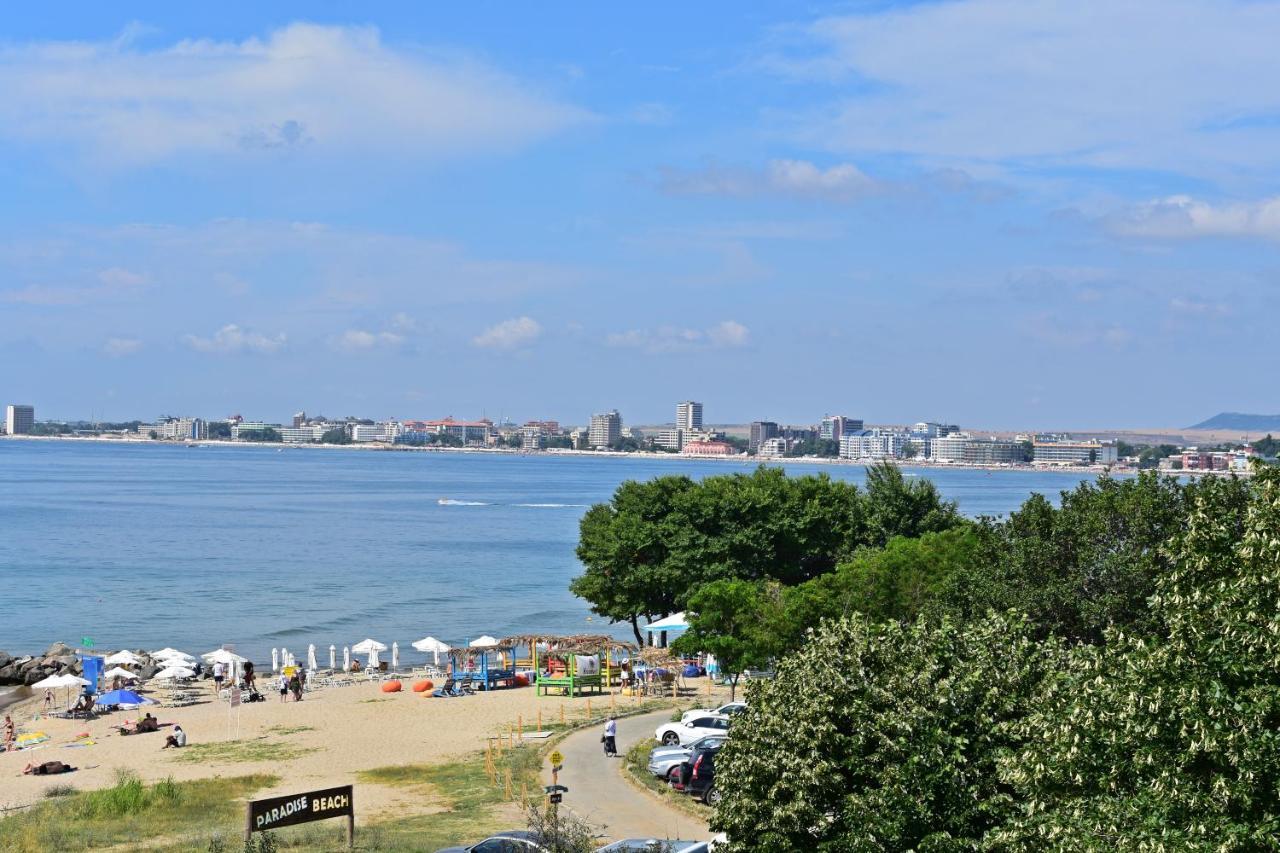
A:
5	659
31	676
29	665
9	674
67	660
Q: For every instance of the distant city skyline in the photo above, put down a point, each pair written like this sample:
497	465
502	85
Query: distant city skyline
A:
895	210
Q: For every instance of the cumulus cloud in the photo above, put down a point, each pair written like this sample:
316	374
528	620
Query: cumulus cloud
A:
723	335
1186	85
354	340
117	347
333	88
1183	217
509	334
841	182
232	339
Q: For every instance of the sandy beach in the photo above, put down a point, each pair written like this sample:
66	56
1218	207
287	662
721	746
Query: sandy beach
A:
327	738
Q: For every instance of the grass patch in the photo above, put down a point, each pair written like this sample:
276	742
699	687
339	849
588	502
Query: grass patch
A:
239	751
290	730
130	811
59	791
636	766
374	699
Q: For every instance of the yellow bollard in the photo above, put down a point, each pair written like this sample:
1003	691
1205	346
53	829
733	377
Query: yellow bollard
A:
539	719
613	706
562	715
508	787
588	709
520	726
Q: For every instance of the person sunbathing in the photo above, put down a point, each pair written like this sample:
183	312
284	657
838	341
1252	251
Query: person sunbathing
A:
48	768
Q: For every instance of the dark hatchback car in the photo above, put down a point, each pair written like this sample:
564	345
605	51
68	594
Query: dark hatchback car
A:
514	841
697	776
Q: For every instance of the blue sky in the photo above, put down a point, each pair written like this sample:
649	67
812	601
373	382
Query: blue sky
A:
1004	213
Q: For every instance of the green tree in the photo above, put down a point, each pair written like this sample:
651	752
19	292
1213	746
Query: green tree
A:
1267	446
904	506
1169	744
825	448
1085	565
267	434
337	435
733	620
219	430
881	737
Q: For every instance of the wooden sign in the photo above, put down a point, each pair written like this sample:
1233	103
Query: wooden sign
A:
277	812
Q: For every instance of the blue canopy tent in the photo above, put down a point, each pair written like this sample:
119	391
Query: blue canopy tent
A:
123	697
666	629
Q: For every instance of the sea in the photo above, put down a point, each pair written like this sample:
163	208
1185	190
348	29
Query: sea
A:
130	545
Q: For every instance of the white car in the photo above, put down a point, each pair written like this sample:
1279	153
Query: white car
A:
686	732
728	709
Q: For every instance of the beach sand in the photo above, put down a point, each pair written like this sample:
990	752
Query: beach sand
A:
337	732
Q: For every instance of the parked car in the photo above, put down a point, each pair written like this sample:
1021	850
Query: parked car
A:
664	759
654	845
701	779
685	733
514	841
728	709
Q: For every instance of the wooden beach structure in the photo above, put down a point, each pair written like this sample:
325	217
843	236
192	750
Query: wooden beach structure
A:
576	665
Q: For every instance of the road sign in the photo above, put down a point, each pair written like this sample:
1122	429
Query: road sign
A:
555	789
556	757
235	697
556	798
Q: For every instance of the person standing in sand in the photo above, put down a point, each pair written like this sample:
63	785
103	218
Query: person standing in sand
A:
284	687
219	673
8	733
610	738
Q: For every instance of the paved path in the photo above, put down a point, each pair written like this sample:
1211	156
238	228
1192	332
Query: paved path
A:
600	794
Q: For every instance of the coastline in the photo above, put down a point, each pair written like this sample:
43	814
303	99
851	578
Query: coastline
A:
910	464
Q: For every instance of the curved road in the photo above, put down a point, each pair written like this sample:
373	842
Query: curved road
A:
599	793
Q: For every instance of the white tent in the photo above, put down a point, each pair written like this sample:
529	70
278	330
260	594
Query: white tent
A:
172	673
431	644
168	652
223	656
119	672
395	655
275	660
126	657
333	657
346	659
285	657
312	666
484	642
370	648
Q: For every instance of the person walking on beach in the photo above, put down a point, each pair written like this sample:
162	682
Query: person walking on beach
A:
284	687
48	699
219	673
8	733
295	684
610	738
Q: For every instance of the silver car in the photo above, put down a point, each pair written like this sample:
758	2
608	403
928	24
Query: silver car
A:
664	759
653	845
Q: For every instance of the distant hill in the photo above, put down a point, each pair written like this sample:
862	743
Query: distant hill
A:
1242	422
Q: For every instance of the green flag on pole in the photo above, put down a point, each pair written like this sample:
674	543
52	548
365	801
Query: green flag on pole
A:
87	642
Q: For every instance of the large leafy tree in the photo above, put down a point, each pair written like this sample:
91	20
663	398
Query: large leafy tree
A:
881	737
1170	744
1091	563
734	620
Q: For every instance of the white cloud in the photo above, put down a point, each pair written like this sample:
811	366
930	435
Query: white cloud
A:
1186	85
121	346
1199	307
232	339
509	334
841	182
113	284
724	335
354	340
1182	217
330	88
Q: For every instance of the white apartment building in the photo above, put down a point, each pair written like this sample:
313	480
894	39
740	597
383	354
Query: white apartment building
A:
773	448
606	429
670	439
949	448
873	444
19	420
1066	452
689	416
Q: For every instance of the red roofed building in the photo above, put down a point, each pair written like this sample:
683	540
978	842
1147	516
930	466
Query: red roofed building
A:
471	432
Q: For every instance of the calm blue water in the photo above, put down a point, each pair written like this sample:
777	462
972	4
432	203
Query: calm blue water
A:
154	545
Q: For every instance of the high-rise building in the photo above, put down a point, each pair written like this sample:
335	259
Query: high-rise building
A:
835	427
299	418
606	429
689	416
761	431
19	420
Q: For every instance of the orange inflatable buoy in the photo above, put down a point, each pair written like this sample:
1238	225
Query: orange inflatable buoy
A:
392	687
422	686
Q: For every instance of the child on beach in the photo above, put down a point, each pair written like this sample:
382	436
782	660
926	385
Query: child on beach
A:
284	687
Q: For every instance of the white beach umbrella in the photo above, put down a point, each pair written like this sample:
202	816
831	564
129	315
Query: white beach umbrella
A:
431	644
333	657
346	659
370	648
66	679
172	673
374	661
223	656
170	654
311	658
284	657
395	655
484	642
275	660
119	672
126	657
